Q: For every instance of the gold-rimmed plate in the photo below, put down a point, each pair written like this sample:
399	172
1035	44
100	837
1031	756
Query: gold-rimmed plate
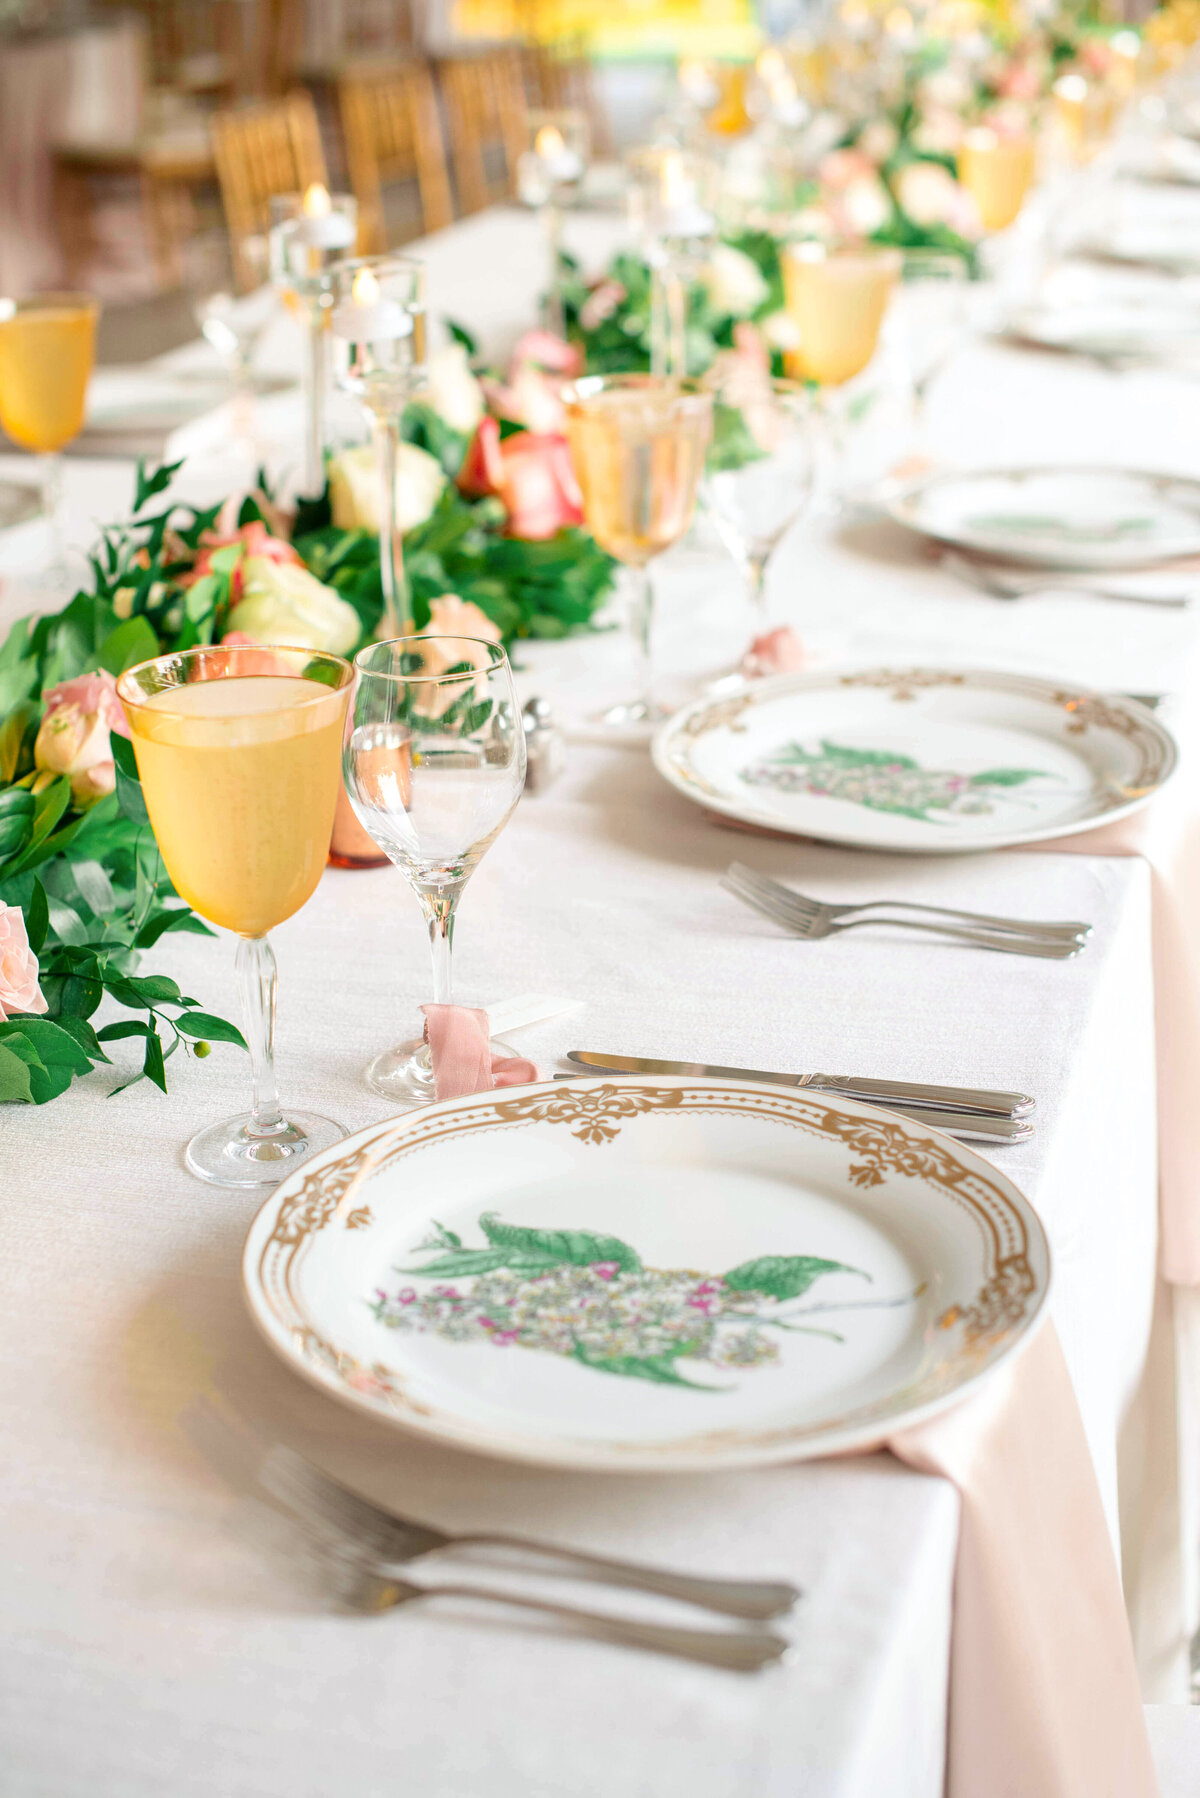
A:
627	1274
921	761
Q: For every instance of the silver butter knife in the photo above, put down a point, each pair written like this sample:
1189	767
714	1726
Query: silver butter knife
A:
903	1093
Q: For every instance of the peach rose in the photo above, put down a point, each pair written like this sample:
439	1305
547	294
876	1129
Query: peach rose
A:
19	989
74	738
457	632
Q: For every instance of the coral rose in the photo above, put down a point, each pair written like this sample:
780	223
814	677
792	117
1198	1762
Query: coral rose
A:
19	989
530	473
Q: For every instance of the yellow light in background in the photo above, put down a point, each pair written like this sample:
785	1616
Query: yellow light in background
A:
549	142
365	289
316	203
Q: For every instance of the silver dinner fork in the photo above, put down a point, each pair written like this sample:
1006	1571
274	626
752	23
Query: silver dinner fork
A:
740	1651
1009	584
377	1535
813	918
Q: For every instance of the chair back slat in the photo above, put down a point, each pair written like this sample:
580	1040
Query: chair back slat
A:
260	151
393	133
485	113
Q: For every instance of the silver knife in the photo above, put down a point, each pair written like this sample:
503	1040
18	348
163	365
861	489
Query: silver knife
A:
903	1093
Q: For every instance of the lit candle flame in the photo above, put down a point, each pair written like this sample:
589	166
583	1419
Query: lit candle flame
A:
549	142
316	203
365	289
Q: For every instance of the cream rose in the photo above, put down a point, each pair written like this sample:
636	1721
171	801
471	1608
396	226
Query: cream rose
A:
282	602
735	283
75	734
453	391
354	488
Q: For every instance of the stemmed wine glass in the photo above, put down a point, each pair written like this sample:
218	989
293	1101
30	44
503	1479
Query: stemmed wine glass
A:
237	751
760	471
638	444
932	317
434	762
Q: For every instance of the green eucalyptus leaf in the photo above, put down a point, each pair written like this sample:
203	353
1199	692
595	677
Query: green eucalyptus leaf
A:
37	917
204	1026
132	642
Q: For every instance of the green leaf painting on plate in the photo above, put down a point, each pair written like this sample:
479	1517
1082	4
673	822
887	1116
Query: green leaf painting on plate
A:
883	780
589	1298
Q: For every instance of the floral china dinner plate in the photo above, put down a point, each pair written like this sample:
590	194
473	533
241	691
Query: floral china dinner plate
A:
918	761
631	1275
1086	518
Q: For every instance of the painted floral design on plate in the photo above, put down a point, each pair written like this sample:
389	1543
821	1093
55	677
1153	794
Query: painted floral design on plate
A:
883	780
589	1298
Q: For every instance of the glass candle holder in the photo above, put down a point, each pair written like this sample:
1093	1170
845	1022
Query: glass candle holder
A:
378	327
676	231
550	173
310	233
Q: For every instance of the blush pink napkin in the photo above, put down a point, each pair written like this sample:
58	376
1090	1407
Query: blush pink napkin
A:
775	652
1175	897
459	1047
1044	1697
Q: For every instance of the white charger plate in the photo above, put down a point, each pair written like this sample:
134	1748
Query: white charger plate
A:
622	1274
1086	518
918	761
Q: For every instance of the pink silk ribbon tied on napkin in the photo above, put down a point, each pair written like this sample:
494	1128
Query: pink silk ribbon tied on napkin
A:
460	1049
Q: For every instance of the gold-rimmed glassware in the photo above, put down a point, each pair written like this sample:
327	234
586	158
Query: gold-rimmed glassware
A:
434	763
238	751
47	350
638	445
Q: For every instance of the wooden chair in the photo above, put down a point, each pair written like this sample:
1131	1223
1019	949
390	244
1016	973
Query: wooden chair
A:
392	133
169	167
263	150
485	111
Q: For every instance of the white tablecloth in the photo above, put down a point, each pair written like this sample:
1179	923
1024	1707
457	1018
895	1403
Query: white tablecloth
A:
139	1609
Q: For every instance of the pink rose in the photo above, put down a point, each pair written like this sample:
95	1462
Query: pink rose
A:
74	738
19	989
842	167
600	304
550	353
1019	82
531	473
253	539
532	398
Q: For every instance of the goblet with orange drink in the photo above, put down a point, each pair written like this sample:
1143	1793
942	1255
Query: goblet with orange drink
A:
47	348
239	755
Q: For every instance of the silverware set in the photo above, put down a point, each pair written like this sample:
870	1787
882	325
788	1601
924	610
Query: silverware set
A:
367	1545
972	1113
810	919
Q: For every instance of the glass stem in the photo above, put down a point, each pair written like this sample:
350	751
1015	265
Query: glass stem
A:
439	905
552	222
756	581
641	618
668	320
397	618
52	504
257	980
314	403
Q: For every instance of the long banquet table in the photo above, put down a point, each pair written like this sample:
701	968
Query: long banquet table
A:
140	1597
